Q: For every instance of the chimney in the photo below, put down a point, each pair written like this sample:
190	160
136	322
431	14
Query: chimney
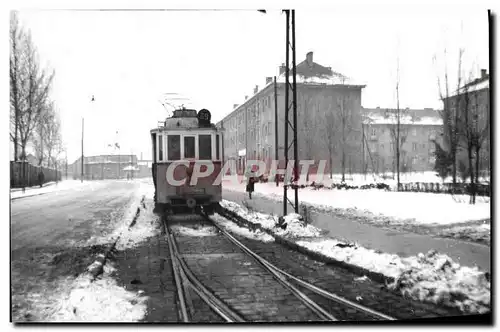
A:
256	89
483	73
269	80
309	58
282	68
246	97
235	105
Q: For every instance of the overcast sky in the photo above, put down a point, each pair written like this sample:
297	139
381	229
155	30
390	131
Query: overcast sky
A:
127	60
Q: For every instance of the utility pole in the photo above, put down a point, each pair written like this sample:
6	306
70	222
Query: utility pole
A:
82	148
276	150
288	125
295	145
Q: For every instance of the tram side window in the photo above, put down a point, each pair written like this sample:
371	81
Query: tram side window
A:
160	147
189	147
174	147
205	146
217	152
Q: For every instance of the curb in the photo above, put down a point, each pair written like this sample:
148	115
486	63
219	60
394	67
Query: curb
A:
47	184
97	267
26	196
378	277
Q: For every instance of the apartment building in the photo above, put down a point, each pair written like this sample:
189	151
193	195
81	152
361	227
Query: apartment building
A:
322	95
418	129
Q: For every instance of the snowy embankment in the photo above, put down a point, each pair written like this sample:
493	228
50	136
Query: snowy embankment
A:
431	277
103	300
403	207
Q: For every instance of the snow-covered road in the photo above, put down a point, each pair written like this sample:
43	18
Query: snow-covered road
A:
55	236
69	216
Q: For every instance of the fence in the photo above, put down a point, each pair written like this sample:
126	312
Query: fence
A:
31	172
449	188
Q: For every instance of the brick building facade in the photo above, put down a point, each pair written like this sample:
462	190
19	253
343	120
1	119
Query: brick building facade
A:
322	95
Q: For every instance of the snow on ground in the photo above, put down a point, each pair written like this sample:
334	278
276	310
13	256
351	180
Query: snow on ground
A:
243	231
476	233
431	277
421	208
294	226
59	187
199	231
361	179
144	227
99	301
265	220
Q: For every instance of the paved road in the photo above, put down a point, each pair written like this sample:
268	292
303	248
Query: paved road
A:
59	217
49	239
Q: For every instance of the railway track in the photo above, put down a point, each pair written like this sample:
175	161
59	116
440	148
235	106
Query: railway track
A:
256	290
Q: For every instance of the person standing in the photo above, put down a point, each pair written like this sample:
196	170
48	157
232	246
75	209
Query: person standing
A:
41	178
250	185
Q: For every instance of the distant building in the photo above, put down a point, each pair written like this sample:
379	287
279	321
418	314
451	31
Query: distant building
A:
476	95
321	93
418	129
103	166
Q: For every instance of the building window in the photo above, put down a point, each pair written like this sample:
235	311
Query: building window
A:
381	147
374	131
423	145
414	131
414	146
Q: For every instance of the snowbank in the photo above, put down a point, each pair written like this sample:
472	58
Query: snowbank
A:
245	232
420	208
100	301
431	277
293	225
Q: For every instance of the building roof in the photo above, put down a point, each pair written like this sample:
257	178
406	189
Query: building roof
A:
476	85
310	73
386	116
318	74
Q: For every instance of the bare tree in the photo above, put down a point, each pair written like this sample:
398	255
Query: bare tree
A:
398	136
329	131
29	86
449	114
52	135
472	131
308	129
345	120
16	40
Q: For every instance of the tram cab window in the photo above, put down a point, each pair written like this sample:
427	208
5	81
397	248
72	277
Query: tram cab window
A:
174	147
205	146
160	147
189	147
217	152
